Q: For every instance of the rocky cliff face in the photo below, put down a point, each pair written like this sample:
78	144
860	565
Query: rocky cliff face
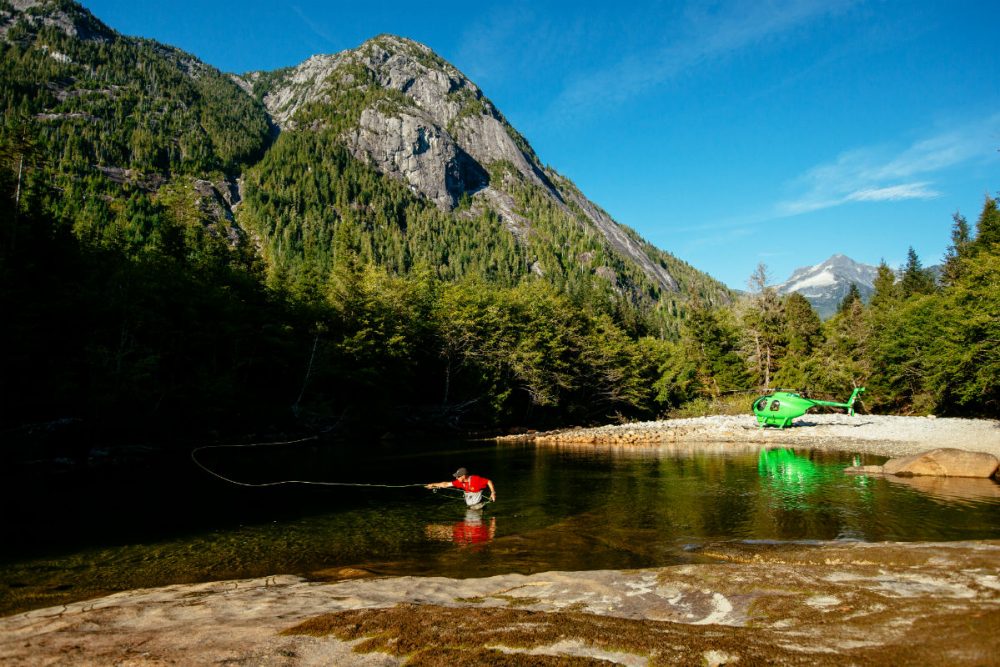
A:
444	113
423	122
64	17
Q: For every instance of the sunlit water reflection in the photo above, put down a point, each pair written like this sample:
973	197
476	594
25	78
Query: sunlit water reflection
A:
567	508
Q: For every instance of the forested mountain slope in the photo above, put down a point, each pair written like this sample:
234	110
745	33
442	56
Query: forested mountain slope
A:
386	150
474	196
364	229
111	119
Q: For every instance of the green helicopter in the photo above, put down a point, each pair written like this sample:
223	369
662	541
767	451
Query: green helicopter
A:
781	407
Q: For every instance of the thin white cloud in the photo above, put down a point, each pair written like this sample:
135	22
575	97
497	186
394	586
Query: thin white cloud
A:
872	175
315	28
717	239
699	35
895	193
515	41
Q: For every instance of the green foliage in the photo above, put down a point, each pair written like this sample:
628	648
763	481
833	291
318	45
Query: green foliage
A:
735	404
886	293
918	349
802	334
850	299
988	226
706	362
125	104
964	362
528	351
137	330
137	303
763	329
959	248
312	204
916	280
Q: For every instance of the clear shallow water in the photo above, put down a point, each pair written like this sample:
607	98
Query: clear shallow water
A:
568	508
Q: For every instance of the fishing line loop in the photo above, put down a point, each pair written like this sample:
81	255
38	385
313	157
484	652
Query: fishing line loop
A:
307	482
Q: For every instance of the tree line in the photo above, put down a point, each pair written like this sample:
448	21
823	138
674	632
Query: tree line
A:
921	345
168	329
342	299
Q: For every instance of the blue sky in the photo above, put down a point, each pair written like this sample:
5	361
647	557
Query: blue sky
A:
727	133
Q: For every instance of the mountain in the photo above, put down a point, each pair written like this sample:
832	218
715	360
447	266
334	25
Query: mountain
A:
826	284
106	118
396	107
385	153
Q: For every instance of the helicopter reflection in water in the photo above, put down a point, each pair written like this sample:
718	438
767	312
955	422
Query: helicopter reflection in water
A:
474	530
789	475
787	466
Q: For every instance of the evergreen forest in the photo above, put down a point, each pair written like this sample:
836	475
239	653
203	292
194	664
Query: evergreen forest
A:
136	306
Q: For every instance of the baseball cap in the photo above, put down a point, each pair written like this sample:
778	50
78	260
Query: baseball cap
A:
461	472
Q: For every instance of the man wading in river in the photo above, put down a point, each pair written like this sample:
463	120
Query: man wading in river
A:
473	486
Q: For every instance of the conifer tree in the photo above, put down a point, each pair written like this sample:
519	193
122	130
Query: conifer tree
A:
916	279
803	332
957	251
763	328
802	324
886	290
988	225
706	361
844	360
853	296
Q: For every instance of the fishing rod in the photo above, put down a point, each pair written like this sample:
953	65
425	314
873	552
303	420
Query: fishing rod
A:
305	482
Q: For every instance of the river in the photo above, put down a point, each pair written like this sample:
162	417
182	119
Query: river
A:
75	535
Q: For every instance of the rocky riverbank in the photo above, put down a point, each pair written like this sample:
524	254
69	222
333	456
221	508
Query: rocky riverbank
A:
818	604
883	435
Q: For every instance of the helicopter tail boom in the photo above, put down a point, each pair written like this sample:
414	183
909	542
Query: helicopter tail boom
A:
849	405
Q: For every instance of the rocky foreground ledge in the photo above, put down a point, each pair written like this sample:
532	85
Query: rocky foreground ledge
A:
874	434
831	603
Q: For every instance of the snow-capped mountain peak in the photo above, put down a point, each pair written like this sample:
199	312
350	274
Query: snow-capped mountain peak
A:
826	284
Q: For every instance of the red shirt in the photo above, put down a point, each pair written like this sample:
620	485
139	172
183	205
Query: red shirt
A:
471	485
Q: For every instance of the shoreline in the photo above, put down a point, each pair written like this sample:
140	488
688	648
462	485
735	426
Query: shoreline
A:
882	435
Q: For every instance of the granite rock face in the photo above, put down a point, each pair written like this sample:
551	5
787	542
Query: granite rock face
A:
444	110
413	148
830	603
50	14
429	126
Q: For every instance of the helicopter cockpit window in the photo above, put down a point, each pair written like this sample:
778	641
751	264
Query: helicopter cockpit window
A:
775	405
761	404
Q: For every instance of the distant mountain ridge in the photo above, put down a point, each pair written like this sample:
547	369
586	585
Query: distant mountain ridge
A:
826	284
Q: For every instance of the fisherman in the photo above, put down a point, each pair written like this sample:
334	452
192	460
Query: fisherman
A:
472	485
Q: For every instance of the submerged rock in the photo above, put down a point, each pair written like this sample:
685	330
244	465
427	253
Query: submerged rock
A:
941	462
944	462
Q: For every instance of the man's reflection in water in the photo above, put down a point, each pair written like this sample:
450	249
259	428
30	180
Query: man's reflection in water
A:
473	530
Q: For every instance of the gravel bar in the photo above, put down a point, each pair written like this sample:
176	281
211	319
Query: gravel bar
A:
884	435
